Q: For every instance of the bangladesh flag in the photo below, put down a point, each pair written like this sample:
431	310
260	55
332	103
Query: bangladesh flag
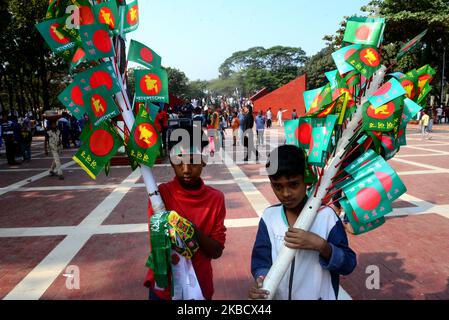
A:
315	100
368	198
72	99
366	61
341	56
107	13
58	40
388	92
390	145
424	92
56	8
145	56
320	142
101	75
367	31
382	118
402	136
96	41
102	144
152	85
131	17
410	84
78	57
100	106
411	109
425	76
358	227
144	142
392	184
361	161
409	46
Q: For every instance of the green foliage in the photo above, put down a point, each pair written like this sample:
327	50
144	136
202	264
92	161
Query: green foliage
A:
317	65
256	68
30	75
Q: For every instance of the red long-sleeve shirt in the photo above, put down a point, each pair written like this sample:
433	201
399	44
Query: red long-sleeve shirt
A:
205	208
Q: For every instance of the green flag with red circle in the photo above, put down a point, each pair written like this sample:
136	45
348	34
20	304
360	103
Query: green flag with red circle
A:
131	22
392	184
98	148
56	38
342	55
100	106
368	198
107	13
72	98
388	92
409	46
366	61
366	31
152	85
383	118
144	142
101	75
359	228
96	42
143	55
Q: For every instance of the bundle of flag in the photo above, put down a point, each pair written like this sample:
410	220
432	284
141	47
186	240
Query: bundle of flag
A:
366	186
90	48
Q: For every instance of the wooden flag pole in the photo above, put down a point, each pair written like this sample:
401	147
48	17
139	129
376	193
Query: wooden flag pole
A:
307	216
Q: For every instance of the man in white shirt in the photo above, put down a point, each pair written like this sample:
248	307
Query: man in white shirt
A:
269	118
280	122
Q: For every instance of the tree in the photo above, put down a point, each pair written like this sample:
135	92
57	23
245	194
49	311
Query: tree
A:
408	18
178	82
317	65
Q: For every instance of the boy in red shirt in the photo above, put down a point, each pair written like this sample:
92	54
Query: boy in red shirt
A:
202	205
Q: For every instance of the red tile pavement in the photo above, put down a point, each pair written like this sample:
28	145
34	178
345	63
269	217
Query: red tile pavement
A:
433	188
131	210
437	161
111	267
237	205
81	178
9	179
266	190
48	208
401	167
18	256
232	272
254	171
412	255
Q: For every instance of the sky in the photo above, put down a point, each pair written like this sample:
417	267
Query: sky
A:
197	36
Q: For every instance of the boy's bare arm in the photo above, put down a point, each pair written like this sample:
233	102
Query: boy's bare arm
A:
302	240
209	246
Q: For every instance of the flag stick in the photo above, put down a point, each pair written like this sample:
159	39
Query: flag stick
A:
307	216
147	174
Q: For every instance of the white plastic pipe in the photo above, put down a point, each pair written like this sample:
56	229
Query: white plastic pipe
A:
308	214
147	174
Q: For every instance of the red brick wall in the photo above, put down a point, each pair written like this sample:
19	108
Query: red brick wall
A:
288	97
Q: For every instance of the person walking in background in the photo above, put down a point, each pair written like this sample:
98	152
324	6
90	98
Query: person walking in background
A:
9	138
425	120
235	125
241	131
25	142
260	127
294	115
55	146
269	118
279	117
248	139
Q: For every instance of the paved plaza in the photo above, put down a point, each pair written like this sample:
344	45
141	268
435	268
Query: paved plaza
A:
100	227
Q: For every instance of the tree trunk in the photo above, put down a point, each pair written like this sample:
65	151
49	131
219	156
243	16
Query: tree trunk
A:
43	74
